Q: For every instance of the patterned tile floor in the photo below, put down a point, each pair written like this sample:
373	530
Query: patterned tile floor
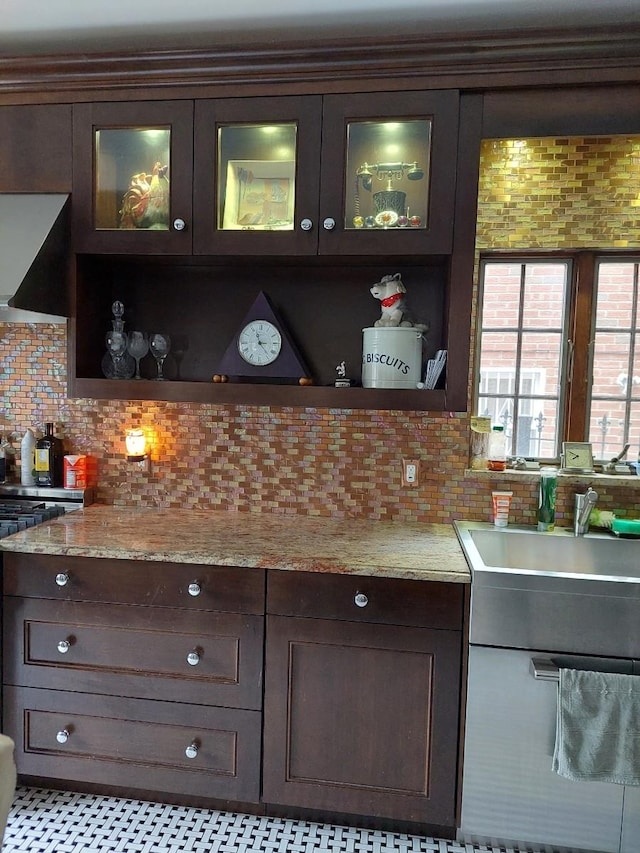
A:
63	822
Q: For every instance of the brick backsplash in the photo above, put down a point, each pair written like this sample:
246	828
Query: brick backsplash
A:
326	462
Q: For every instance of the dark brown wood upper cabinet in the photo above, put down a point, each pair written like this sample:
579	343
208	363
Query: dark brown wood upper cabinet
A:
133	177
388	173
369	174
257	175
35	148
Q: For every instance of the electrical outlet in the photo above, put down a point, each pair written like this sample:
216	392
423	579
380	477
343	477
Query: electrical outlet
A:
410	469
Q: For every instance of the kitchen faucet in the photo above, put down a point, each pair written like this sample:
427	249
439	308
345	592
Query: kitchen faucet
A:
584	503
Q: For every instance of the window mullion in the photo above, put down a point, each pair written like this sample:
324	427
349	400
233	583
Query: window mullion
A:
582	338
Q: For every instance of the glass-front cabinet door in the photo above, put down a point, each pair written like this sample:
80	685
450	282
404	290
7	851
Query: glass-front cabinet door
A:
389	172
257	166
132	177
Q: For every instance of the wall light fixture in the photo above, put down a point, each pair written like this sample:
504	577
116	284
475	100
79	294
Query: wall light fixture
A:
137	450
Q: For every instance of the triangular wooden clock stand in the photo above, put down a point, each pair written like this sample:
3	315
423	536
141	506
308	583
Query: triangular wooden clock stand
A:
262	348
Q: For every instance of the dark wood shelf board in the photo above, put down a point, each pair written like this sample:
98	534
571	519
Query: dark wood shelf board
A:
310	396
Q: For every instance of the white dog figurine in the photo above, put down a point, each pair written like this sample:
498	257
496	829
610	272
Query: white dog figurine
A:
390	291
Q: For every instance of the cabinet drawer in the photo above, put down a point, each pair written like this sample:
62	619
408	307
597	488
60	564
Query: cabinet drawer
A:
135	582
135	743
172	654
365	599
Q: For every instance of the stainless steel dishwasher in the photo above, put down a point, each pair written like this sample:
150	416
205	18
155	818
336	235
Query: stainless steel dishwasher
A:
525	623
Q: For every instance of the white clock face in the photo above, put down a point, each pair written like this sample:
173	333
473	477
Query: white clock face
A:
259	343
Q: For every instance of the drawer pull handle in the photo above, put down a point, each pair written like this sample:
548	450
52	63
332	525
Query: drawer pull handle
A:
194	589
192	750
361	599
62	578
63	736
64	646
193	658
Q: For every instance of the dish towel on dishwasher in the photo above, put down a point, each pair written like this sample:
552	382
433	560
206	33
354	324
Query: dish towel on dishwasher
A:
598	727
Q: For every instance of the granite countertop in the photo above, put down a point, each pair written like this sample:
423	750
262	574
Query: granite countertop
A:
396	549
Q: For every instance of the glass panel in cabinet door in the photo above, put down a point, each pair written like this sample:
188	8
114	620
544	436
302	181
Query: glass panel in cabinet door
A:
132	178
256	177
387	174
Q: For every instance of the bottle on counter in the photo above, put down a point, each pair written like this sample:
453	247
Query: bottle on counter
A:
49	459
27	460
547	499
9	458
497	458
3	463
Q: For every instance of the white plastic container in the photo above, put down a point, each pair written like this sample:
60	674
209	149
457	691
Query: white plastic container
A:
391	357
27	451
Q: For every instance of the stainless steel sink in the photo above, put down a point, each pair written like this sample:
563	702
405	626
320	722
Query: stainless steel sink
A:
553	591
517	549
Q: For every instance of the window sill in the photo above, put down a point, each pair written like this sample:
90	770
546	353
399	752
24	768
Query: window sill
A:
625	481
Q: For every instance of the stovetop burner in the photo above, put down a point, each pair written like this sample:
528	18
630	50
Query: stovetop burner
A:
20	515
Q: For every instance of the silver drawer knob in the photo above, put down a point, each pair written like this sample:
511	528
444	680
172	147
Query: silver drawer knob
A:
62	736
192	750
361	599
179	224
193	658
329	223
62	578
194	588
64	646
306	224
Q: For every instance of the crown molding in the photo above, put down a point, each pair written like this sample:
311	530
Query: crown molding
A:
462	60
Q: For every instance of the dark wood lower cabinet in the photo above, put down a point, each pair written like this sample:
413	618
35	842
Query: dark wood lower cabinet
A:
154	687
362	719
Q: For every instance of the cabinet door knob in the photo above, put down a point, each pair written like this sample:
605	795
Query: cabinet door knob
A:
329	224
62	578
306	224
179	224
192	750
62	736
193	658
194	588
361	599
64	646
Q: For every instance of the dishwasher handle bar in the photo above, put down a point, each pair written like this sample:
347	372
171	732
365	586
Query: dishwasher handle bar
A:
543	669
546	669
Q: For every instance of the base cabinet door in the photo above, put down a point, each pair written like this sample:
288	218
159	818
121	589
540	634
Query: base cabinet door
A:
362	718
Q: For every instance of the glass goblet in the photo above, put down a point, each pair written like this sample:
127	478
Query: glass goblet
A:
138	347
116	341
159	344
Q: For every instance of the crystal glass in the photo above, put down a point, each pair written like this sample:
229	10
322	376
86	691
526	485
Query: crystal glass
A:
116	341
138	347
160	345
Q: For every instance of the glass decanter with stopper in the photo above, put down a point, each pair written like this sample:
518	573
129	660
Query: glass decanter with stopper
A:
117	363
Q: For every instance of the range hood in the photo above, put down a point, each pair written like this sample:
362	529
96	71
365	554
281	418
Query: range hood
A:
34	248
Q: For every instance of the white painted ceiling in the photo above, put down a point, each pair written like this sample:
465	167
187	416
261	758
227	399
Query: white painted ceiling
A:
71	26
